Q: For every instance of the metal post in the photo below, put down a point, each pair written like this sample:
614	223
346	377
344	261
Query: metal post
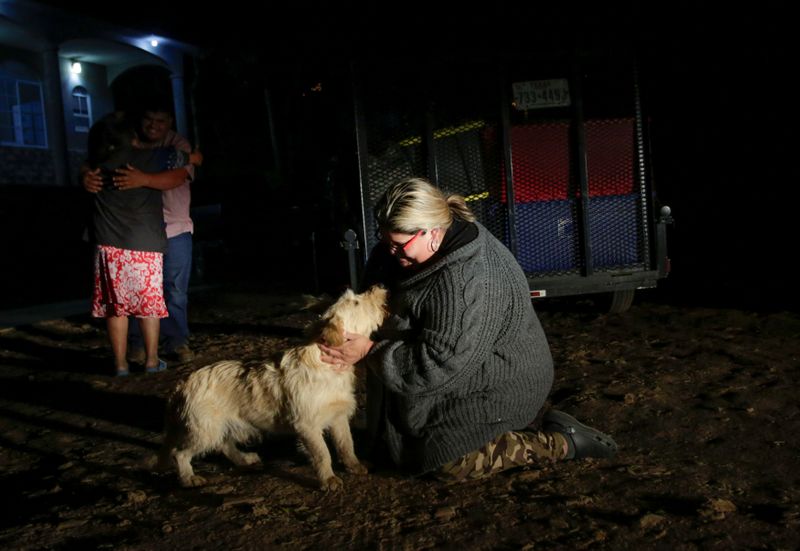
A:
663	262
505	119
361	149
581	168
351	244
641	167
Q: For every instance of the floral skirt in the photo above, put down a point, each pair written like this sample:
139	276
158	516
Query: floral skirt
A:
128	283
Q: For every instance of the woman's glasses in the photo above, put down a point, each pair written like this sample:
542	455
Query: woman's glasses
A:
394	248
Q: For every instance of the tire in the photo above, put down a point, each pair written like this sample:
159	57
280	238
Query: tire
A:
621	301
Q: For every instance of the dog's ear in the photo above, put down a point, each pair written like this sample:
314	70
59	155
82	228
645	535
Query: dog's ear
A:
380	294
332	332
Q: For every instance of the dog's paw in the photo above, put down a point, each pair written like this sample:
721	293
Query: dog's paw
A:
356	468
332	484
250	458
193	481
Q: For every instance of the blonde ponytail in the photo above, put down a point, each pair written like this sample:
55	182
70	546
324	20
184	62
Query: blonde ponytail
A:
459	209
415	204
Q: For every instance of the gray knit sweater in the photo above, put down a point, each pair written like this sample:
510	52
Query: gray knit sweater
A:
461	359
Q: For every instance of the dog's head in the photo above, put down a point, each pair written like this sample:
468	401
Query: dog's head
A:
359	313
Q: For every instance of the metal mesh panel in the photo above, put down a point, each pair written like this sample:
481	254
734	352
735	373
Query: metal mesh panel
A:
615	232
398	160
466	164
407	136
446	126
547	236
489	208
610	156
545	216
393	138
540	158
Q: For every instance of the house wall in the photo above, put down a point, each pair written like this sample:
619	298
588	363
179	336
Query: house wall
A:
44	211
93	77
24	165
21	62
35	49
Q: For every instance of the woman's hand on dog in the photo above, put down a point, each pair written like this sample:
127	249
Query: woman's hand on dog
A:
354	348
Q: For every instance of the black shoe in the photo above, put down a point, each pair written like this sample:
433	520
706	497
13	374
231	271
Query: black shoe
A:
582	441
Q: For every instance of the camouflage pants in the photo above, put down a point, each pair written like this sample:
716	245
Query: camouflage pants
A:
509	450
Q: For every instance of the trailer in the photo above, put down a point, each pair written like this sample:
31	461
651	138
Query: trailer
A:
551	153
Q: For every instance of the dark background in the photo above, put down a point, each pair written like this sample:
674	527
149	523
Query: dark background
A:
718	87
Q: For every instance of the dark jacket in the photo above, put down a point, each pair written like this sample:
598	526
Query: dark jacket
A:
461	359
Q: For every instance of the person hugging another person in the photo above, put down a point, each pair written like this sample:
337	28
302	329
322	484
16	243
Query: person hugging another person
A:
459	371
155	130
154	127
129	235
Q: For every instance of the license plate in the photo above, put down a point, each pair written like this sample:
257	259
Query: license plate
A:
540	94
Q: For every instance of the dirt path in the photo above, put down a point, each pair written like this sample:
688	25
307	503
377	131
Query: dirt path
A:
703	403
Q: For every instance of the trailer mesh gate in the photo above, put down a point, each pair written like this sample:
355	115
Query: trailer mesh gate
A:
579	201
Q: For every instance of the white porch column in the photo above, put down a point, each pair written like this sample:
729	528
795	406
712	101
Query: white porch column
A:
179	104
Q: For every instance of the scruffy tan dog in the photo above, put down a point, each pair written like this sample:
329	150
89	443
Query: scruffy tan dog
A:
227	403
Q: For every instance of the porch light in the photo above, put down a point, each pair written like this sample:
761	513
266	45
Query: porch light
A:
75	67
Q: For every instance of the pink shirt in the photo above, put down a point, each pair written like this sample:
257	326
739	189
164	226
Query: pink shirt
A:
178	200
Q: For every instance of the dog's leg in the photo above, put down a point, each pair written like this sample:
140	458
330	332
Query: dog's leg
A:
236	455
183	460
343	441
314	443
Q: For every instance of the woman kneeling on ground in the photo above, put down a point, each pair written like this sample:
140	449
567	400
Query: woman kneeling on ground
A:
461	367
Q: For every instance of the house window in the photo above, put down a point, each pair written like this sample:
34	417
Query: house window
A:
81	109
21	113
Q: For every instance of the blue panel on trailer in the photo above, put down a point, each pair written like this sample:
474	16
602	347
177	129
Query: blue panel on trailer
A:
547	236
615	231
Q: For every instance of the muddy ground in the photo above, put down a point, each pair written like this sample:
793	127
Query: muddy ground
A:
703	403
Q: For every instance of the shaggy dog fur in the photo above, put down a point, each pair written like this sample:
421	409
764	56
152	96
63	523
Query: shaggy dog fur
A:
227	403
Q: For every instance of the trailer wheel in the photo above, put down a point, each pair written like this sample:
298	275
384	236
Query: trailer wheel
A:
621	301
